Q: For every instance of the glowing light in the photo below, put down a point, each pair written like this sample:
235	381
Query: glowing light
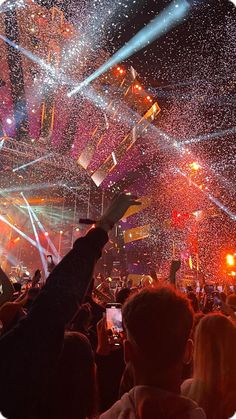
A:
210	136
41	227
160	25
230	260
23	166
2	143
114	158
40	249
210	196
33	187
61	232
52	71
22	234
9	121
46	234
195	166
77	229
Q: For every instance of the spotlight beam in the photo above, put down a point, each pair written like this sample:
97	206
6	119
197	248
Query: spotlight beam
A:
22	234
56	254
23	166
40	249
52	71
161	24
2	143
97	99
210	197
33	187
211	135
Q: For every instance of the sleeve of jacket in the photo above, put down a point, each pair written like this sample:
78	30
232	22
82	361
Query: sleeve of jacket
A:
29	352
7	290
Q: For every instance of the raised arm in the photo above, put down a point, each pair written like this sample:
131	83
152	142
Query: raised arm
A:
29	352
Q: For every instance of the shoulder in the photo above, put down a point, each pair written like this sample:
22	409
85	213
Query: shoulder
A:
185	387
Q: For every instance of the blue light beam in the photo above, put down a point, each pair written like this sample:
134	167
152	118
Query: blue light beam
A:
164	22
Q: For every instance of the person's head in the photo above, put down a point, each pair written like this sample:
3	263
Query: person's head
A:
72	391
214	363
158	323
231	301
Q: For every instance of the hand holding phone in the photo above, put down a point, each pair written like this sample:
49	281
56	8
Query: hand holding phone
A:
114	324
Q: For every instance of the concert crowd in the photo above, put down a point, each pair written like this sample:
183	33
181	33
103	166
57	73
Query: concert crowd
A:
154	352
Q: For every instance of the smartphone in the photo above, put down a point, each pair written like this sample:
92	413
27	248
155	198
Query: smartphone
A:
114	323
49	258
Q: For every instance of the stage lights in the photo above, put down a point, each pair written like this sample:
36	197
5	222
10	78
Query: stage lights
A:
23	166
2	143
161	24
211	198
40	248
195	166
211	136
230	259
120	71
21	233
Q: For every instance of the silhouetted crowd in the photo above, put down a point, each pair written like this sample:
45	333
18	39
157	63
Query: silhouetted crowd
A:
161	354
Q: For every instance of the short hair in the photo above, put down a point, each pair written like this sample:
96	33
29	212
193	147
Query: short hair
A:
231	300
159	321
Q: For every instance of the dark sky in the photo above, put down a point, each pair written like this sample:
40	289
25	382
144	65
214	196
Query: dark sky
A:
194	37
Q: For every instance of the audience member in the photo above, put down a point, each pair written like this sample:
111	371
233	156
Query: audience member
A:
213	385
158	323
71	390
29	352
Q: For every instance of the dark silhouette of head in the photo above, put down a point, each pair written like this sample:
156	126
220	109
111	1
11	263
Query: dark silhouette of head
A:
72	390
158	323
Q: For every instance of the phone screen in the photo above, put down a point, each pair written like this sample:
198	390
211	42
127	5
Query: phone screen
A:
114	323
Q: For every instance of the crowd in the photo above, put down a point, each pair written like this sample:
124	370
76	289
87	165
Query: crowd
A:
176	358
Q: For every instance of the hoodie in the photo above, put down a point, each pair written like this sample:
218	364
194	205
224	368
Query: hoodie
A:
144	402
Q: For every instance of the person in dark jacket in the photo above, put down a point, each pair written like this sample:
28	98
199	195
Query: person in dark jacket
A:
30	351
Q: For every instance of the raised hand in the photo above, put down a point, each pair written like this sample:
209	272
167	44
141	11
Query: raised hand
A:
117	210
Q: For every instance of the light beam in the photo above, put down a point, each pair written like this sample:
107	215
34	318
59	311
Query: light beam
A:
41	227
23	166
167	19
44	264
22	234
210	197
